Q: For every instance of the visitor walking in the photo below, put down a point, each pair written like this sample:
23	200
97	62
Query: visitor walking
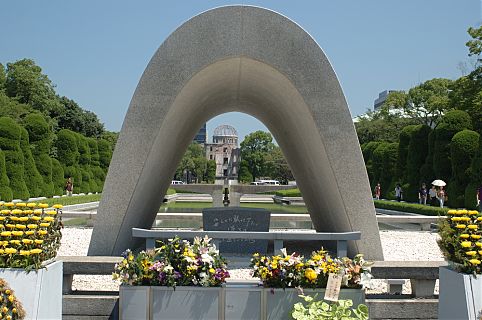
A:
422	194
479	198
398	192
441	196
69	187
432	193
378	191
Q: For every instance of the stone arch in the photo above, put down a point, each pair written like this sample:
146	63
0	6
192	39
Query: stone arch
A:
252	60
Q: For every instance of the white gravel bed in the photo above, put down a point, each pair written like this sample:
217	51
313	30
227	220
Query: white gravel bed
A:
397	246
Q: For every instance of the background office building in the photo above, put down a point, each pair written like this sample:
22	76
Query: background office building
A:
202	136
382	97
225	151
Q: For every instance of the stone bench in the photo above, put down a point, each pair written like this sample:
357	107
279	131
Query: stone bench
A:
422	274
90	265
278	238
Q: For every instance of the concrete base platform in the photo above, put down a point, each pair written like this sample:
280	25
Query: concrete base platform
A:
105	306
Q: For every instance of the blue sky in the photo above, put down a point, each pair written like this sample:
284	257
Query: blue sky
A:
96	51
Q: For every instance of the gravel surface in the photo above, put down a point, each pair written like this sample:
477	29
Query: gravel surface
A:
397	246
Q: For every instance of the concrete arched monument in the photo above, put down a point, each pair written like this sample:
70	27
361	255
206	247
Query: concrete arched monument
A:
251	60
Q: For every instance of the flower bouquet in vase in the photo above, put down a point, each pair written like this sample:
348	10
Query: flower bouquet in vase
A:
176	280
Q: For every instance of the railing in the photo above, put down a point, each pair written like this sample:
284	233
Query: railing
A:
341	238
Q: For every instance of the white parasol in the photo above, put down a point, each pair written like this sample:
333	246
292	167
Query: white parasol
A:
439	183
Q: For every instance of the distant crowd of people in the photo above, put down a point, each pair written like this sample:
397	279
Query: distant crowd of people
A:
434	196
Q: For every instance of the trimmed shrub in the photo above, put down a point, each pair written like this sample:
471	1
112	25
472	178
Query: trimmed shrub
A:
403	145
33	179
451	123
367	151
463	148
58	179
426	172
476	167
44	167
39	134
470	196
67	151
385	161
10	144
5	191
417	153
105	153
98	175
411	207
40	138
84	162
295	192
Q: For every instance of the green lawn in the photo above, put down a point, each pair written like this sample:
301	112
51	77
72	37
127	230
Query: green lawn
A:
268	206
65	201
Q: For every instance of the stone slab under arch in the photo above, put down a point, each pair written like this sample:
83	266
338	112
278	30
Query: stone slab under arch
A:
251	60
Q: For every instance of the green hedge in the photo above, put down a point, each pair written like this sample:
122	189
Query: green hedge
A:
44	167
105	153
295	192
384	162
403	145
410	207
58	179
65	201
451	123
5	191
426	172
367	151
67	151
417	153
39	134
463	149
40	139
10	144
32	177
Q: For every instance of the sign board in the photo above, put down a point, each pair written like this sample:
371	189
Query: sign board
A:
238	219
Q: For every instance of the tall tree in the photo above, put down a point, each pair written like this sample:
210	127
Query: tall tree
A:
278	166
193	164
26	82
254	150
3	76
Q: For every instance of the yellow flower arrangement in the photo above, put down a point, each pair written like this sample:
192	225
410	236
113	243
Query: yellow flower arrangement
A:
460	240
466	244
310	274
23	244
